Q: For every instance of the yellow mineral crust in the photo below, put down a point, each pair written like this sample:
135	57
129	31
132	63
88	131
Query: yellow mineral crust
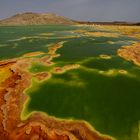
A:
131	31
105	56
131	53
5	72
102	34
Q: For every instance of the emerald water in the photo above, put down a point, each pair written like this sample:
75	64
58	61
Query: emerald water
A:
98	92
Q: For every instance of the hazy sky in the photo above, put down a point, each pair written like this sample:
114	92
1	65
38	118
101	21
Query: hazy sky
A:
90	10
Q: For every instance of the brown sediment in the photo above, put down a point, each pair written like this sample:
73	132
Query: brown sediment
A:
46	59
65	68
131	53
5	62
52	53
43	76
33	54
38	126
58	70
53	48
49	63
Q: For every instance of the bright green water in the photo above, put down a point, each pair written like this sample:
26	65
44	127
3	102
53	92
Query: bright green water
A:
108	101
110	104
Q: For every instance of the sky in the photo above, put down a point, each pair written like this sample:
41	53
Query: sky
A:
82	10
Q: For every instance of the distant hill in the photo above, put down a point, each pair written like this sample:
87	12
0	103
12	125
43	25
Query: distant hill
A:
36	19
